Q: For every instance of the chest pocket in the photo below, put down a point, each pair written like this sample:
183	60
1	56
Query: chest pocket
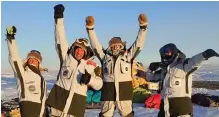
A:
107	66
176	78
33	86
66	72
125	67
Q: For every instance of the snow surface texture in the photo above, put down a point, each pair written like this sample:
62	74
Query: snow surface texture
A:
207	72
141	111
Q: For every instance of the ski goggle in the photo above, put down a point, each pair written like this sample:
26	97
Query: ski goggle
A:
166	53
117	46
82	40
35	51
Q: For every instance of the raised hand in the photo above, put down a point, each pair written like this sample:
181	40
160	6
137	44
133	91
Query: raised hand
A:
142	18
58	11
10	32
210	53
85	78
90	21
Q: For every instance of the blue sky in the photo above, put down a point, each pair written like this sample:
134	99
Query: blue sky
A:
192	26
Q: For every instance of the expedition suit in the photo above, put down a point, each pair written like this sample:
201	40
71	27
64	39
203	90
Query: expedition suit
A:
68	95
117	87
31	84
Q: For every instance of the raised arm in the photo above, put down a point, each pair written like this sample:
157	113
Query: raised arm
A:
95	44
61	43
14	58
192	64
137	46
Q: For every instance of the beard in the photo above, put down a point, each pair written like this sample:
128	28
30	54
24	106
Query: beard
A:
34	68
115	52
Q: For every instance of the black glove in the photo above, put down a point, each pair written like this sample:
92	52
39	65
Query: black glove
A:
58	11
85	78
154	66
11	31
209	53
97	71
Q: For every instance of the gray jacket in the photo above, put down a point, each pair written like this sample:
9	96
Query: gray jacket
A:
177	86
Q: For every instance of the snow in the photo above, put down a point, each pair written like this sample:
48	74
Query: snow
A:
205	91
141	111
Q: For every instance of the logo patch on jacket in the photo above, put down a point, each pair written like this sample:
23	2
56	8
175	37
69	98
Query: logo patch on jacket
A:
89	62
126	68
65	73
31	88
177	83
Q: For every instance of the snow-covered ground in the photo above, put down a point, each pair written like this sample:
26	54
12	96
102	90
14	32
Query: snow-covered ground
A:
141	111
207	72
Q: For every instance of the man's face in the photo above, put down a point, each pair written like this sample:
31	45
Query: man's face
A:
79	53
115	47
33	62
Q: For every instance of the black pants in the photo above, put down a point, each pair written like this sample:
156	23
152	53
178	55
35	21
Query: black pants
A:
174	112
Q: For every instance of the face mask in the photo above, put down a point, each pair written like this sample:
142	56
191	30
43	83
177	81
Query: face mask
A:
168	53
168	59
115	52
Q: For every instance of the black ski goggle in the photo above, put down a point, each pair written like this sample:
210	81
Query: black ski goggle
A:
164	52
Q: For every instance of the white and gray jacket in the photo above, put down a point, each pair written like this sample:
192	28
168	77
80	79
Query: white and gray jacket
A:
177	86
117	71
68	95
31	86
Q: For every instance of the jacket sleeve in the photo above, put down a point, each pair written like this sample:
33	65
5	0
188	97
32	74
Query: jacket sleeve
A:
153	76
14	58
192	64
96	82
95	44
137	46
61	43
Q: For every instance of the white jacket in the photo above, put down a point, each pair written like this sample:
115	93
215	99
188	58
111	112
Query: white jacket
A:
117	72
68	95
31	86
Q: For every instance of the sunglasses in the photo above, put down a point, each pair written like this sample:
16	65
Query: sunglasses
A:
83	40
35	51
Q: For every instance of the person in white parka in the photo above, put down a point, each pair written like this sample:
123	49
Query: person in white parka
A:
32	88
176	88
116	63
68	96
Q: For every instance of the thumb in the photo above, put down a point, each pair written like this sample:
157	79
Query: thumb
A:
86	72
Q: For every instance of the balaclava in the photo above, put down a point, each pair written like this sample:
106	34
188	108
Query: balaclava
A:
117	41
166	59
